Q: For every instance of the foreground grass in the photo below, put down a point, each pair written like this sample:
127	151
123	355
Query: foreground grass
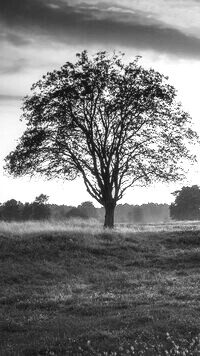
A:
79	290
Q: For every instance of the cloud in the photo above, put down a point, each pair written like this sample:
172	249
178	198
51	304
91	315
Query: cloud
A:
12	66
16	39
53	6
99	24
9	36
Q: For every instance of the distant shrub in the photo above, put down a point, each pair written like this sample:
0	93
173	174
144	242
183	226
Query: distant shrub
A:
76	213
88	209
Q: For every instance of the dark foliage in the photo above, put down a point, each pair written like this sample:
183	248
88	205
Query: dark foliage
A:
124	213
40	208
27	211
187	204
88	209
12	210
77	213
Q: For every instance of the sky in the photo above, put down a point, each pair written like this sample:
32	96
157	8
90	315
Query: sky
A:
37	36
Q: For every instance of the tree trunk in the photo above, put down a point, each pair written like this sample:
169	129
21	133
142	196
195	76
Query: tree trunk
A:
109	216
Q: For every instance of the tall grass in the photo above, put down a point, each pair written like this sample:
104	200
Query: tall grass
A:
91	226
49	226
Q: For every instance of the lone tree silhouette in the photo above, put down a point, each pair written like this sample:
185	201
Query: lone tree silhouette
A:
112	123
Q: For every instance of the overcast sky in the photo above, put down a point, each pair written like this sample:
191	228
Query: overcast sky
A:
40	35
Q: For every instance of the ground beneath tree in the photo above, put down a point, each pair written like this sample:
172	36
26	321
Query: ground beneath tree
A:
100	293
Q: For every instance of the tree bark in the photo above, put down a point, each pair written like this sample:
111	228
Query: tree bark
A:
109	216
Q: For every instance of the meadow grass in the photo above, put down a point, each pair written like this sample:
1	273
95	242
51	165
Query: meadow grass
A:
72	288
92	226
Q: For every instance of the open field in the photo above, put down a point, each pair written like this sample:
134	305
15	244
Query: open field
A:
91	226
75	289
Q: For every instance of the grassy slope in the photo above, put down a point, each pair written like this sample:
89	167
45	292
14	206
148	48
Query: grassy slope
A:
73	292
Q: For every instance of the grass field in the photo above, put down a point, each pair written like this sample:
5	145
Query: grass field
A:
76	289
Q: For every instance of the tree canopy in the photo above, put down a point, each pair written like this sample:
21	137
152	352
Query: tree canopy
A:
112	123
187	204
41	199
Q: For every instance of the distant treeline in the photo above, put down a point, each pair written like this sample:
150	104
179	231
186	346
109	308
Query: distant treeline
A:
185	207
13	210
39	209
145	213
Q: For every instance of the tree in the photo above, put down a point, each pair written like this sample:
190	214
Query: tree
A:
11	210
89	209
112	123
41	199
187	204
27	211
40	209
